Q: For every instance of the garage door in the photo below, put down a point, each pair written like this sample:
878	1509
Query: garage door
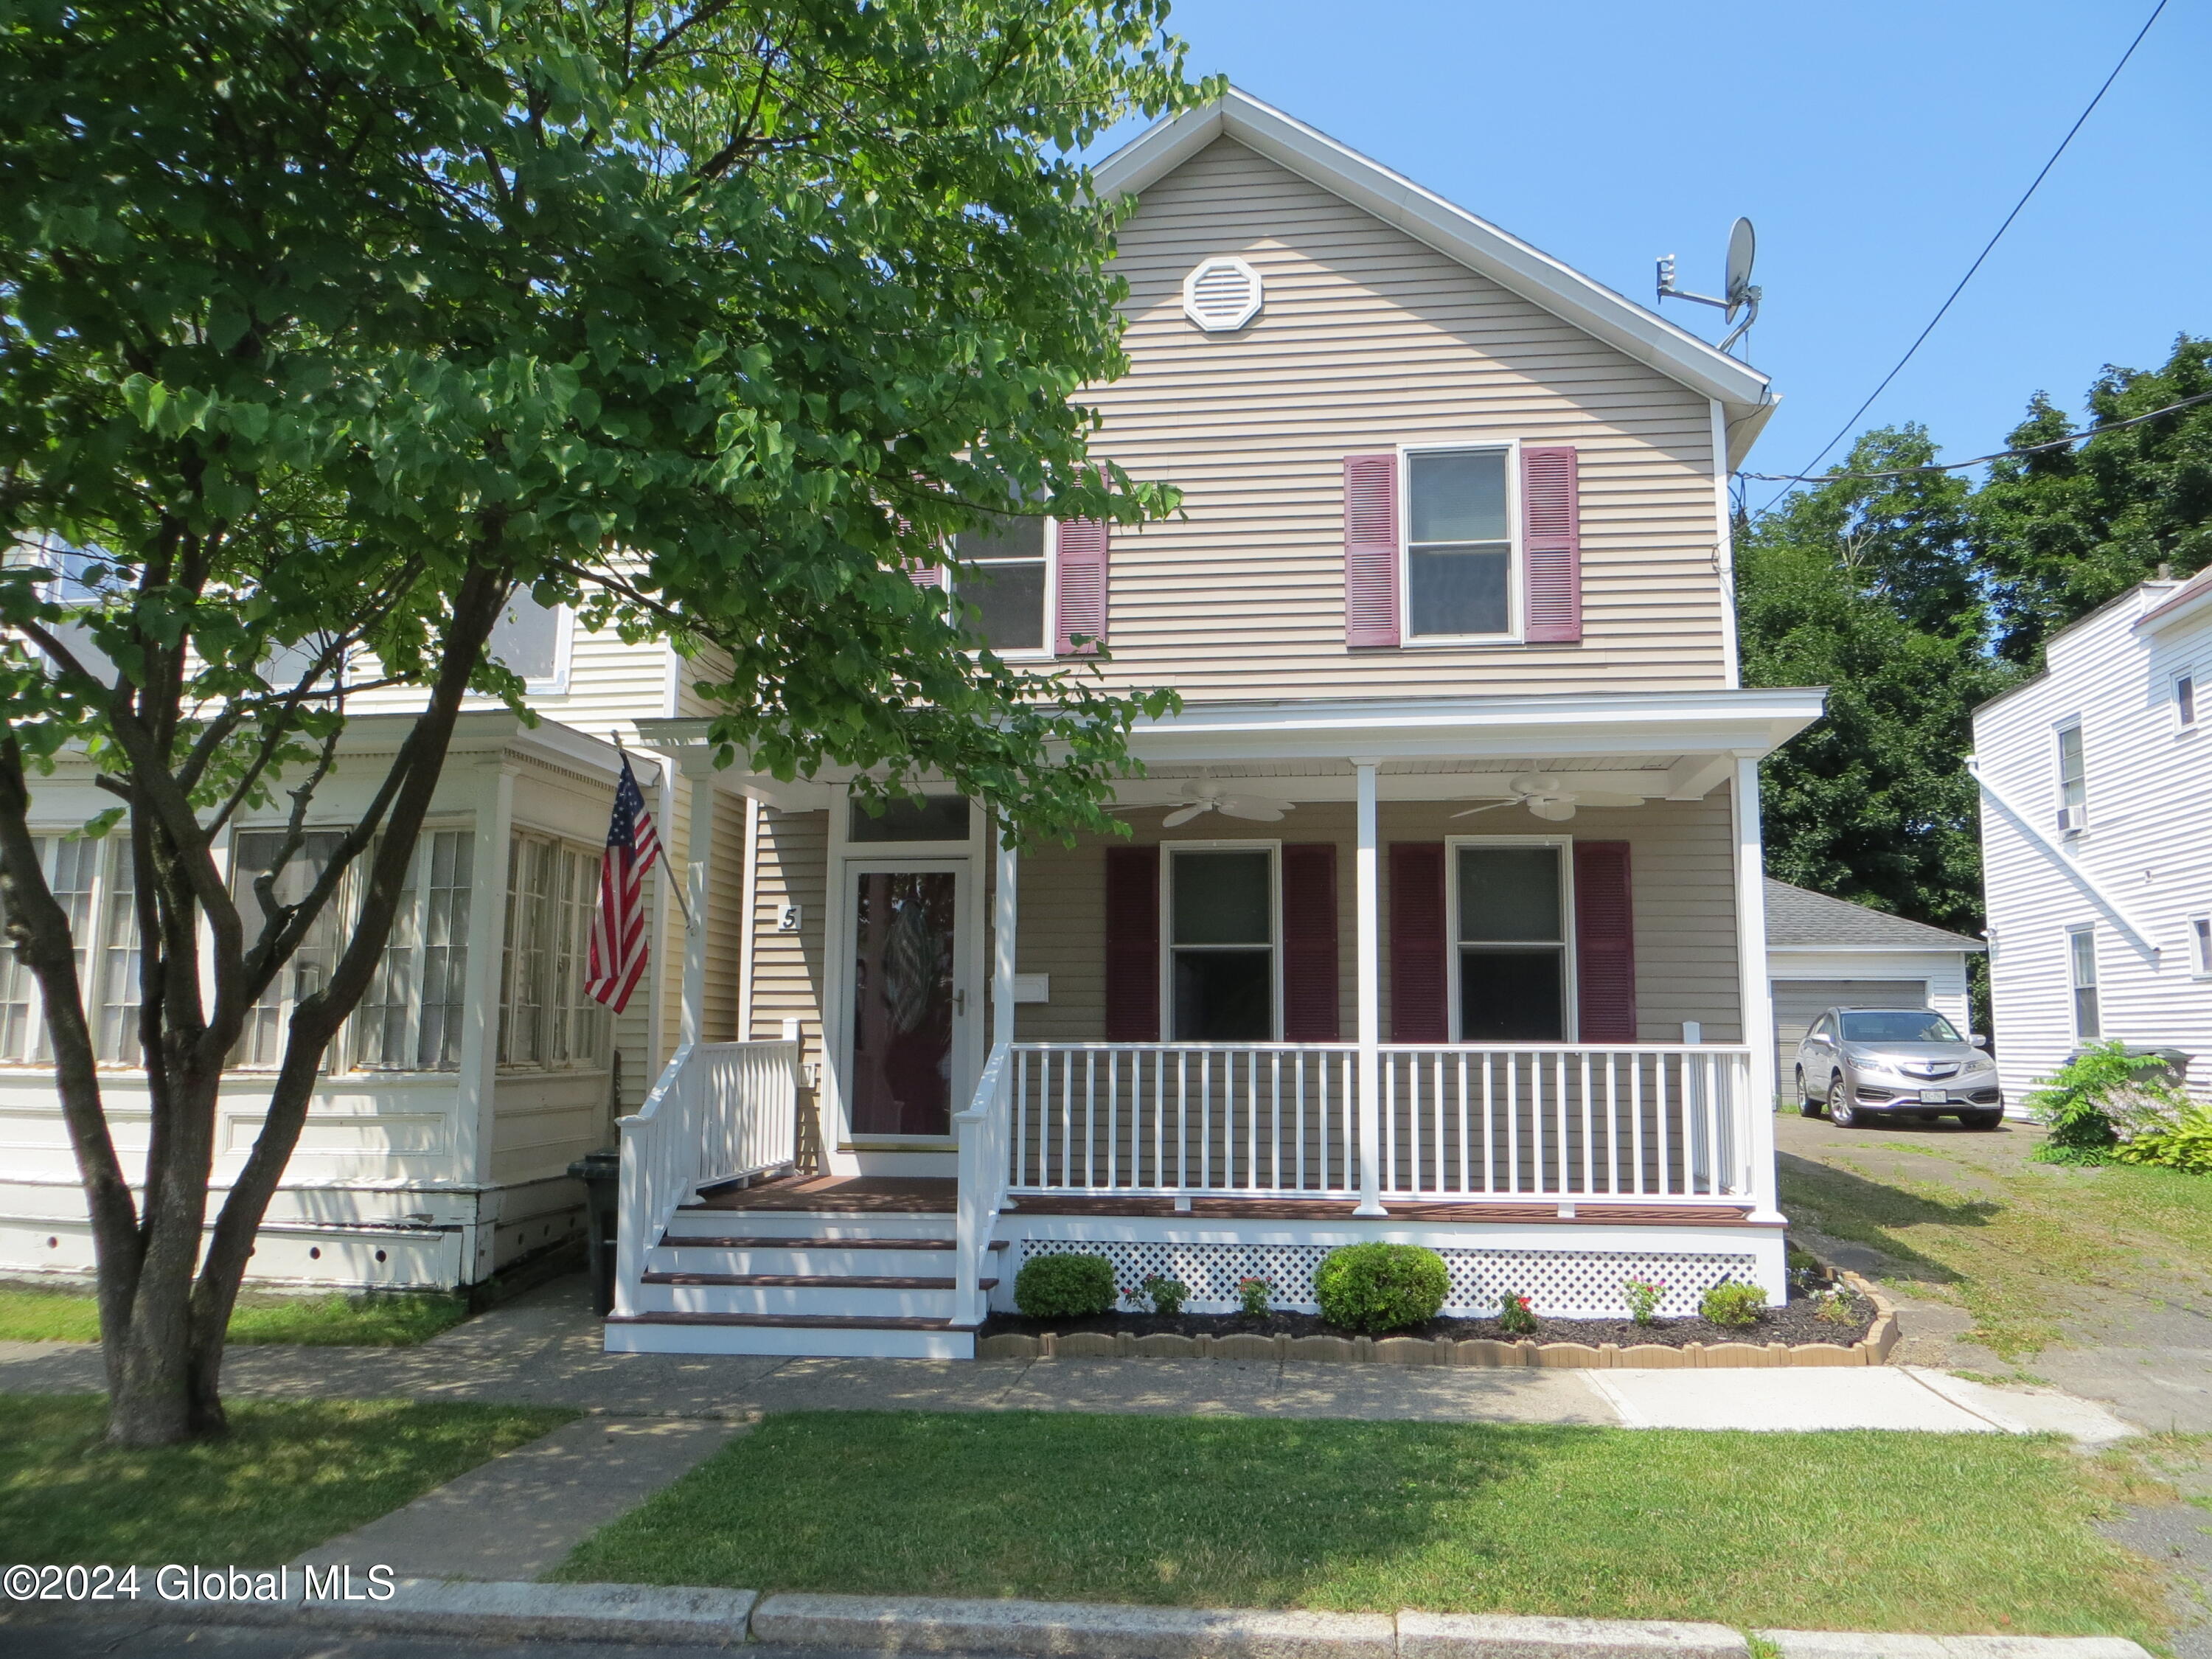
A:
1799	1002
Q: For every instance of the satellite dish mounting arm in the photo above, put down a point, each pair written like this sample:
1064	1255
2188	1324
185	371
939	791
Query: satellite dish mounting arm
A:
1741	295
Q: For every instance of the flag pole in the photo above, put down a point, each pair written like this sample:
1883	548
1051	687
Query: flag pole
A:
667	862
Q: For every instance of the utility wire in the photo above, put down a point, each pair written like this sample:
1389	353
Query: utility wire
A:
1986	249
1999	455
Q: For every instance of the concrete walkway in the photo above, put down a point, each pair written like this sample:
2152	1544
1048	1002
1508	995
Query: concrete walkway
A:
544	1349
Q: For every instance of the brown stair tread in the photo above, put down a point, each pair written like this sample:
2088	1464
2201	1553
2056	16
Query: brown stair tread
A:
815	1281
802	1321
719	1242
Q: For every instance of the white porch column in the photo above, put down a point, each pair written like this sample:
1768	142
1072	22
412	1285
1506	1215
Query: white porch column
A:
1004	911
1758	1005
1370	998
698	768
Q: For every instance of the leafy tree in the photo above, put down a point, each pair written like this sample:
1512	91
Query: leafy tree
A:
326	323
1869	587
2064	531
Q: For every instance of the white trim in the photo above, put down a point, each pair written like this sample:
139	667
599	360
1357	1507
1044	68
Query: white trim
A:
1515	631
1724	548
1170	849
2076	985
1754	1000
1048	627
1562	847
1511	262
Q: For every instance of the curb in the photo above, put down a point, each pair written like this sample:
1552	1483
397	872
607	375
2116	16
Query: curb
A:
1044	1630
1481	1353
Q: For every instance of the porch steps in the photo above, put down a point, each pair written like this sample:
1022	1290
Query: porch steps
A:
789	1281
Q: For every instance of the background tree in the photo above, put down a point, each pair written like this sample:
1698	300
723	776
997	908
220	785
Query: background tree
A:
2066	530
1870	587
325	326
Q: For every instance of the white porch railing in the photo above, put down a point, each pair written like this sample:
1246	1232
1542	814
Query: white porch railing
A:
1257	1119
1648	1124
720	1111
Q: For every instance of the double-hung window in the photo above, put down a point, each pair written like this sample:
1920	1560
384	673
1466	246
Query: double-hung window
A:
532	641
2072	781
545	1019
71	864
1001	588
1221	943
1459	543
1512	943
2081	971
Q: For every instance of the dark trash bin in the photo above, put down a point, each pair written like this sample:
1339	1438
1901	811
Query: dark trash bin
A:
2174	1062
601	1174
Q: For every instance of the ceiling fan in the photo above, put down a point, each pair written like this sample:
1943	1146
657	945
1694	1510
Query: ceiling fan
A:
1542	794
1193	804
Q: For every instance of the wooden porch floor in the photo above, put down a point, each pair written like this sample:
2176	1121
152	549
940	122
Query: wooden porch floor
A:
928	1195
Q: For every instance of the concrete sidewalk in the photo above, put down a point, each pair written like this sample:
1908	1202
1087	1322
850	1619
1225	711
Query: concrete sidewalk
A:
544	1349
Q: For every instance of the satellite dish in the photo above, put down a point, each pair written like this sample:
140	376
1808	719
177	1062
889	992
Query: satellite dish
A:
1743	245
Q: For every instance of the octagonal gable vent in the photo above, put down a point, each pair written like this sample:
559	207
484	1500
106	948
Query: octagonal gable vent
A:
1221	296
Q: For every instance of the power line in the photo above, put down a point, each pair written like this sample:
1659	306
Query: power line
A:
1999	455
1986	249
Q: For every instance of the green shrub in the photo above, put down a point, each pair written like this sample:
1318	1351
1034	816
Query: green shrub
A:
1381	1287
1729	1303
1167	1295
1643	1296
1516	1317
1253	1293
1065	1286
2187	1145
2099	1100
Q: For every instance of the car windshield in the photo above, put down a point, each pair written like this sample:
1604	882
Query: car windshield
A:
1897	1026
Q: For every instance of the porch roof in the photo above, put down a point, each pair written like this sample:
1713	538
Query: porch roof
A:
1673	746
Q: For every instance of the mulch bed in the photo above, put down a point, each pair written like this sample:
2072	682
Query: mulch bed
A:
1796	1322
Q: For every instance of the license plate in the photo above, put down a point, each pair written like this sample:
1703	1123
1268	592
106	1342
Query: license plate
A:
1933	1097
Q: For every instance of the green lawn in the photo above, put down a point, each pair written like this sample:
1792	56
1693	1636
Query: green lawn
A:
1863	1531
380	1318
289	1475
2017	1243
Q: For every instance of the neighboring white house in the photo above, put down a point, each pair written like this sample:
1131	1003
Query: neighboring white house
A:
1825	952
2097	844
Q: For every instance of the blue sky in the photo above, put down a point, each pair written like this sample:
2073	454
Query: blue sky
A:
1875	145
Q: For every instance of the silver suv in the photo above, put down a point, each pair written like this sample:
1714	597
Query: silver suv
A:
1863	1064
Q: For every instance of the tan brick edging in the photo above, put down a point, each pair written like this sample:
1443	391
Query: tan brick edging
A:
1872	1349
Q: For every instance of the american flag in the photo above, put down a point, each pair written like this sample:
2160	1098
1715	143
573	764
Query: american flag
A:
618	946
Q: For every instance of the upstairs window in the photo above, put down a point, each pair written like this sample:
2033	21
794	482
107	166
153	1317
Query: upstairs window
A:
1459	543
2081	967
1221	933
2073	781
1002	588
531	639
2185	701
2200	946
1512	945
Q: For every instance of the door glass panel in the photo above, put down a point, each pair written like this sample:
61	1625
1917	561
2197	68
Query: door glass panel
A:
903	938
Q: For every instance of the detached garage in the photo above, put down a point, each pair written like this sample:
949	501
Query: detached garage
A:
1824	953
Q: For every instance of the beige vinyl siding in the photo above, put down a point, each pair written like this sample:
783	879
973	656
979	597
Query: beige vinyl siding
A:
787	967
1369	340
725	898
1681	875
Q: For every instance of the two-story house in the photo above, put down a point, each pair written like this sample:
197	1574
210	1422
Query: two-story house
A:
1439	919
2096	855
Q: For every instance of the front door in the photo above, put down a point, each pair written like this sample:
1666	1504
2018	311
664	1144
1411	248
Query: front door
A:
909	1010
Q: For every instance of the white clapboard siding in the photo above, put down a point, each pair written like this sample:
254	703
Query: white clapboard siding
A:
2148	844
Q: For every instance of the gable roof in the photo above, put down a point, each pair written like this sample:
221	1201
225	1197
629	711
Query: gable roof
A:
1513	265
1797	919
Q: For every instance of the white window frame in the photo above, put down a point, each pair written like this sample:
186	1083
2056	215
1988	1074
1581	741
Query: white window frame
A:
2081	808
2200	944
1515	560
2075	984
1048	628
1169	849
1571	985
411	929
2187	716
555	684
520	835
37	1051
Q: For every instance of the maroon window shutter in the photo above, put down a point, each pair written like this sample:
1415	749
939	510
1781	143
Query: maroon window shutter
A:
1605	942
927	575
1133	945
1417	943
1079	586
1309	968
1370	550
1552	543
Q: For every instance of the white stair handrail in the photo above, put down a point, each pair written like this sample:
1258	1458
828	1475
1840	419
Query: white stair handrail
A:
982	1130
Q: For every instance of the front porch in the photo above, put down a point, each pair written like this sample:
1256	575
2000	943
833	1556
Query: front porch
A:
1194	1050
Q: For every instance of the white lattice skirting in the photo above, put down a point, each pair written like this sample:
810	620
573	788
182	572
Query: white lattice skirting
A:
1563	1284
